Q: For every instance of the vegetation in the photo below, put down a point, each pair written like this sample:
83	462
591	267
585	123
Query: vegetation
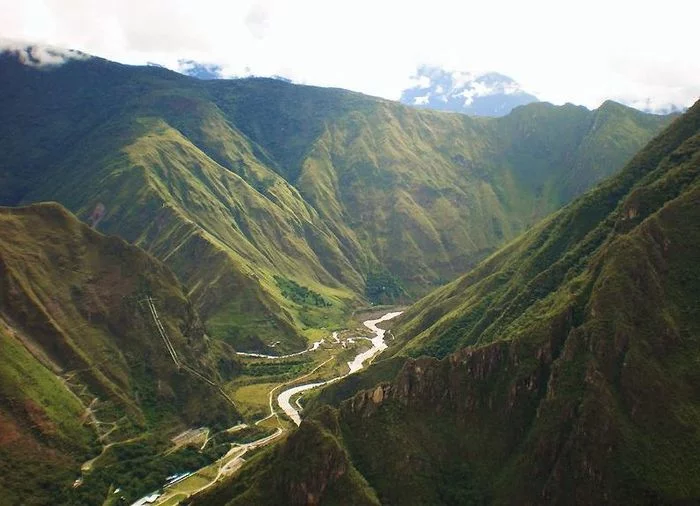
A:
383	288
278	369
300	294
234	182
136	469
333	394
570	373
280	208
326	472
82	366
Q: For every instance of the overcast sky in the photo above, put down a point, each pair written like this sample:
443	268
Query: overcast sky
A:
561	51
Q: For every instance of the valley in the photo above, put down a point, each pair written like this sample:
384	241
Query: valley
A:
355	365
281	207
233	459
561	370
249	291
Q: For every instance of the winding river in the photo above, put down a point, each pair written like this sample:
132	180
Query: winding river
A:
378	345
315	346
234	458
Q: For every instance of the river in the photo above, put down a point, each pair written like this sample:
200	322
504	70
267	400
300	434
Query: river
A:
315	346
378	345
234	458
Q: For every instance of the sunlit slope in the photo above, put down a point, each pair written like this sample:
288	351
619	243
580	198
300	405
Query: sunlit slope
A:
480	306
232	183
427	194
222	237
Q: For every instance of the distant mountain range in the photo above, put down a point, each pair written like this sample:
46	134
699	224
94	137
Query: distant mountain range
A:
208	71
340	192
489	94
472	93
320	165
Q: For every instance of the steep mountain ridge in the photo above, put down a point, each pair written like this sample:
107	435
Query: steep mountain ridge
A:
529	268
239	185
83	362
570	363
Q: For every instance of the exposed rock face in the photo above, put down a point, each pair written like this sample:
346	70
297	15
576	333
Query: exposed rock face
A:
329	465
455	383
378	395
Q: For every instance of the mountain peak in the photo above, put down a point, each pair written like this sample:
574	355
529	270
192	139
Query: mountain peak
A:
479	94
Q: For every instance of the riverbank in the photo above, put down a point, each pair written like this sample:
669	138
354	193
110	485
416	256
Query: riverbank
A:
378	345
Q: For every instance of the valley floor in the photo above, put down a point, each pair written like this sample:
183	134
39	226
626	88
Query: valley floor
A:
343	353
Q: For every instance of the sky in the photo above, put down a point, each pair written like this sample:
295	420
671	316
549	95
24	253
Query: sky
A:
638	52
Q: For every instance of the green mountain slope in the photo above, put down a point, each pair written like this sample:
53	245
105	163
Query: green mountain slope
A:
82	363
574	379
238	184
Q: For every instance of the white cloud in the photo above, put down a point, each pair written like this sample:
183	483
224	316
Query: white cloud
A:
477	89
42	55
460	78
258	17
560	51
421	82
422	100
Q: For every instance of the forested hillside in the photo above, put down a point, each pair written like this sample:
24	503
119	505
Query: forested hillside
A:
243	187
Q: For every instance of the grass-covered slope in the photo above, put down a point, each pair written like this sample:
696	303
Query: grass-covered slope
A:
174	176
82	363
428	194
504	290
311	467
572	377
235	183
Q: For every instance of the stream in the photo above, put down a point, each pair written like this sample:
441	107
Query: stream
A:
378	345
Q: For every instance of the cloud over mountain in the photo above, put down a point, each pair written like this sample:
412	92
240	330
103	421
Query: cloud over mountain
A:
40	55
477	94
200	70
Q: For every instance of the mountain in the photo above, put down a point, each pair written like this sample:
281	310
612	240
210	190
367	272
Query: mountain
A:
83	366
475	94
569	373
282	207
